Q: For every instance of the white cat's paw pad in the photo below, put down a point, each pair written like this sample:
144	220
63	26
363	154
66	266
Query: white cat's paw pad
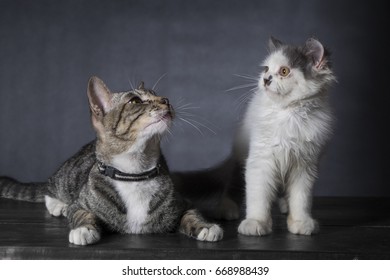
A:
305	227
211	234
254	227
227	210
83	236
55	206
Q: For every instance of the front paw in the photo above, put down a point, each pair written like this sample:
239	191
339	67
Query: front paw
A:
213	233
306	226
83	236
55	206
255	227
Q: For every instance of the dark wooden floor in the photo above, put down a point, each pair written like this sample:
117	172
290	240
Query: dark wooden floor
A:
351	228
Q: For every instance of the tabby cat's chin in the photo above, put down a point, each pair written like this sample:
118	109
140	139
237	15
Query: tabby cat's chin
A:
161	124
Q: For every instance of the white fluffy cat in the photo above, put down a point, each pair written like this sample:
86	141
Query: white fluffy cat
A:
278	146
283	133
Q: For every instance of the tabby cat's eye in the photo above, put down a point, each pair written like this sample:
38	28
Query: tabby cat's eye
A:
284	71
266	69
135	100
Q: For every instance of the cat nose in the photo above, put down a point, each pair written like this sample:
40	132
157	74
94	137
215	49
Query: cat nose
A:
164	101
267	81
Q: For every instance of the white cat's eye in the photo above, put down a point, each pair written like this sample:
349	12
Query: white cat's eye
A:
135	100
284	71
266	69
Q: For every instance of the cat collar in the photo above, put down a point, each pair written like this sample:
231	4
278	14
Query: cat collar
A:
115	174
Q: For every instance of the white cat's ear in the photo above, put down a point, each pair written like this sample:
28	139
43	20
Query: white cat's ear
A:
99	97
315	51
274	44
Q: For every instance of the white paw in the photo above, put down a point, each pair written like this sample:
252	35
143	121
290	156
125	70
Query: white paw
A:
213	233
307	226
83	236
255	227
283	205
55	206
227	210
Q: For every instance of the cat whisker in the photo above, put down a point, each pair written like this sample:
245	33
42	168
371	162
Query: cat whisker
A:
183	113
176	124
168	128
203	125
200	122
186	107
159	79
131	85
180	100
243	99
191	124
245	76
241	87
183	106
168	133
190	119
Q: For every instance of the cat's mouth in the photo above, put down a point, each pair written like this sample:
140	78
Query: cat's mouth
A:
270	91
273	92
164	118
168	116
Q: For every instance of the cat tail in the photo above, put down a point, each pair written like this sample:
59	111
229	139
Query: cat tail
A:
13	189
217	192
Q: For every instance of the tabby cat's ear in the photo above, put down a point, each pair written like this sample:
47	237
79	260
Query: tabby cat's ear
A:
315	51
141	85
99	97
274	44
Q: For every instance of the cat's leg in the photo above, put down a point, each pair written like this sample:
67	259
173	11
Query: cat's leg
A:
193	224
227	209
55	207
299	220
84	226
260	192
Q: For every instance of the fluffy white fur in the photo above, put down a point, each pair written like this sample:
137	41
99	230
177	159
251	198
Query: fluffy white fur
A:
284	130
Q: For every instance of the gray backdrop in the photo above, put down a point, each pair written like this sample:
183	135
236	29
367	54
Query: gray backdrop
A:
49	49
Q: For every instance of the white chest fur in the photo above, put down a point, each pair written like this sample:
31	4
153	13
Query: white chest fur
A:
137	197
270	132
272	126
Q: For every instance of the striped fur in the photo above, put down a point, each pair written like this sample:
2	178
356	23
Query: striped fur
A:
128	126
32	192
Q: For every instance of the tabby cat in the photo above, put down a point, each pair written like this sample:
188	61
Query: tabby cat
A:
119	182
